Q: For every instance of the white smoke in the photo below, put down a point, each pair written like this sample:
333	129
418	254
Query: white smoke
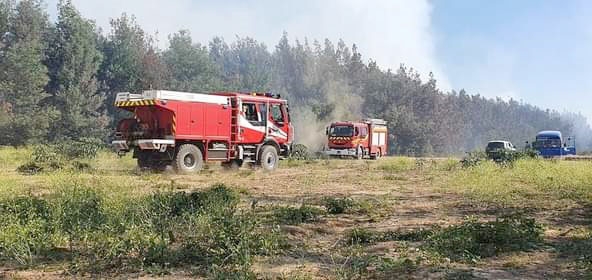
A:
390	32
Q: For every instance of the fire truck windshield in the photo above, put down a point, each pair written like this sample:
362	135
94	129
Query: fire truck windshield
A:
342	130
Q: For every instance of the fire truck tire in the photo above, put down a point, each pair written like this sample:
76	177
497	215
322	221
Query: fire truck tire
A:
189	159
144	163
144	160
360	153
377	155
269	159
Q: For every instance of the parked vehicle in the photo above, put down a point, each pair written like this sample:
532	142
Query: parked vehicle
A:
550	143
185	129
362	139
495	149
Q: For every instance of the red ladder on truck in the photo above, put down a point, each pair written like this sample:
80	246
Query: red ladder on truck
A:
234	126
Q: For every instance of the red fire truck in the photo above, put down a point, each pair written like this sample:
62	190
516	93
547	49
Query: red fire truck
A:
185	129
362	139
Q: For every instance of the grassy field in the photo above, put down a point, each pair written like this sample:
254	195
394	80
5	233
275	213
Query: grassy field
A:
321	219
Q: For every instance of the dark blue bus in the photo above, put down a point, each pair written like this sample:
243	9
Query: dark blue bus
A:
551	144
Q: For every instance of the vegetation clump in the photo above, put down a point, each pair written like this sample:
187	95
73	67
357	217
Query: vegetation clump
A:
468	241
359	236
296	215
166	229
58	156
473	159
473	240
338	205
505	158
368	266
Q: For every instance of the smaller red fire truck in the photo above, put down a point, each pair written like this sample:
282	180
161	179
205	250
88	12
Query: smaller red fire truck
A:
361	139
185	129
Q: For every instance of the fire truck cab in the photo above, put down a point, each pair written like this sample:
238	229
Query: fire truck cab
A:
185	129
362	139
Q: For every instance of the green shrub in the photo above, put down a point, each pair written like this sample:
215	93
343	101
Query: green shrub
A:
391	266
129	250
152	233
473	159
222	240
29	168
413	235
338	205
26	229
358	236
503	157
172	204
23	241
26	208
294	216
46	154
78	210
468	241
365	266
59	156
473	240
84	148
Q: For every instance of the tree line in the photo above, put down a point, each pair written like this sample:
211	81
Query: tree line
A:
58	81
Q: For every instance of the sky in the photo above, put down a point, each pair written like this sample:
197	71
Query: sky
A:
536	51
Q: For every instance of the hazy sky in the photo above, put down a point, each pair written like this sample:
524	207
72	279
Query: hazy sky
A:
532	50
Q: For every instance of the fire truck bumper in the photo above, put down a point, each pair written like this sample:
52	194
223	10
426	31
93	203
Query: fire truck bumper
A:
341	152
120	145
143	144
154	144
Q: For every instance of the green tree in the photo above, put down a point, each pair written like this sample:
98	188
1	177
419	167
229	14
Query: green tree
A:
73	64
189	65
24	76
127	52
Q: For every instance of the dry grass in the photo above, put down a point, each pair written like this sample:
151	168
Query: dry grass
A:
394	194
543	184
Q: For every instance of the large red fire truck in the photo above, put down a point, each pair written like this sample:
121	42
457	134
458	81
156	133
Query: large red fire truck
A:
185	129
362	139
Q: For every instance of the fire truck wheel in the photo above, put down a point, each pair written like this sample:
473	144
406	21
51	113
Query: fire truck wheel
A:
376	156
144	160
360	153
269	159
189	159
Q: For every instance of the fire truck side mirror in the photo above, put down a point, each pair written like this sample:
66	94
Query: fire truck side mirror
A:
326	130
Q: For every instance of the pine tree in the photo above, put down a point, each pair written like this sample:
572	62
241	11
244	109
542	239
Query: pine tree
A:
73	64
24	76
189	65
127	52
